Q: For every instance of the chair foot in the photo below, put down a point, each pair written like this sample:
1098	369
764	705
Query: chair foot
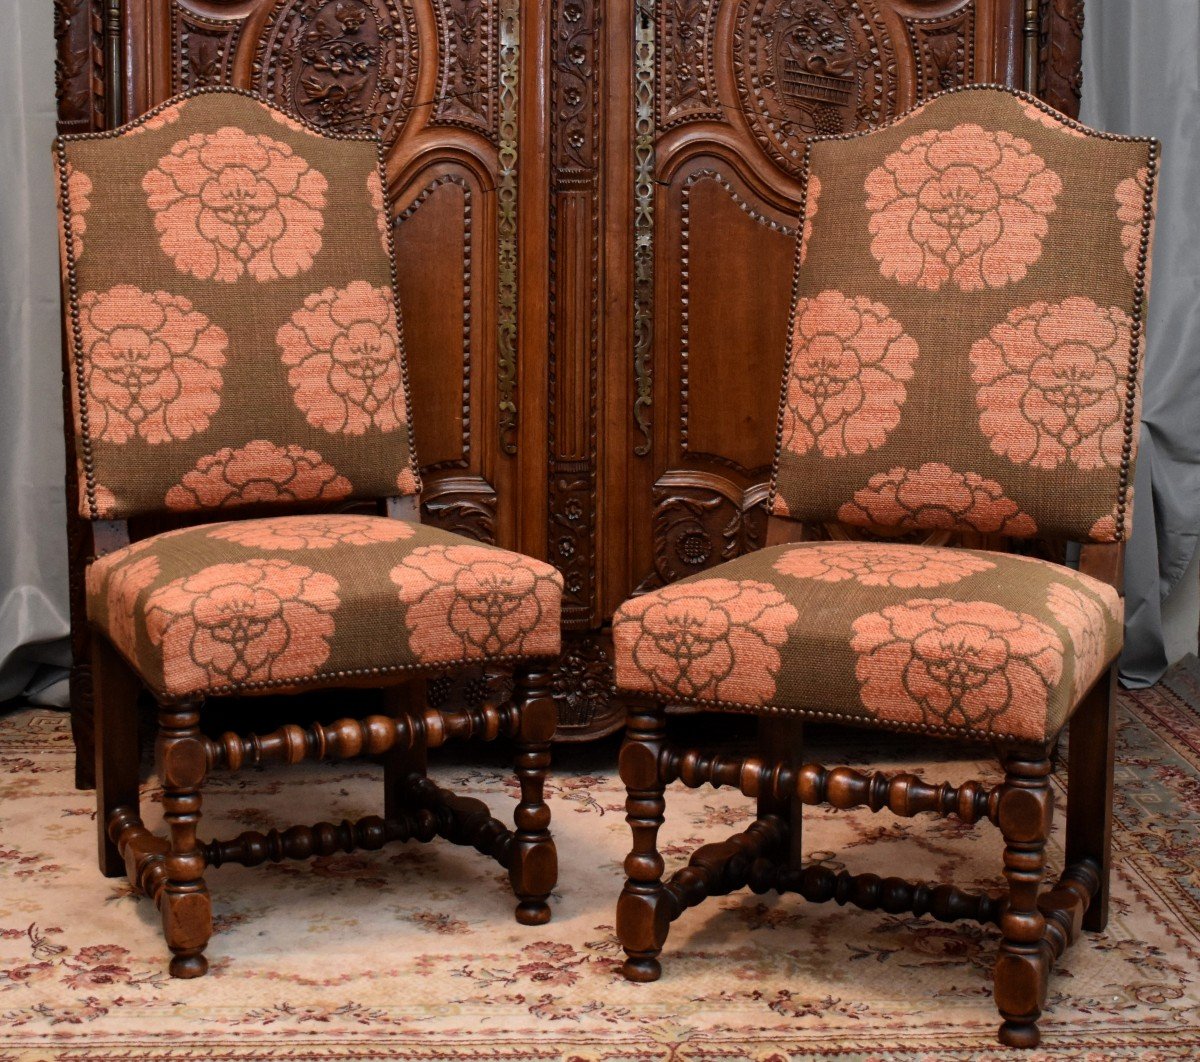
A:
184	901
642	916
642	968
533	912
188	965
1026	809
533	863
1020	1034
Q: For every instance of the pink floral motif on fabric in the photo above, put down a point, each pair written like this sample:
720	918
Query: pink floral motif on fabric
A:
967	206
152	365
230	203
1051	381
850	360
708	639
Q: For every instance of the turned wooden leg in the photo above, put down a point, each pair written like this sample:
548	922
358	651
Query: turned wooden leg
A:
781	741
1023	965
533	865
116	753
1090	790
642	915
184	901
404	759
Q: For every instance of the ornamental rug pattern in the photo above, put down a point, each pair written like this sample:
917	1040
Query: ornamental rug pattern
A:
411	953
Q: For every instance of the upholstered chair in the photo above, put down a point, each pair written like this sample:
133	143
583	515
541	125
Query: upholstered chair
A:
960	403
236	366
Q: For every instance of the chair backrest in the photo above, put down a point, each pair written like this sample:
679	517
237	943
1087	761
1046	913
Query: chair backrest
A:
233	333
967	324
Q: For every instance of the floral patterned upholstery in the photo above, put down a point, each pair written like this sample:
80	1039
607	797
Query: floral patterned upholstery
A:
233	330
948	641
967	326
259	606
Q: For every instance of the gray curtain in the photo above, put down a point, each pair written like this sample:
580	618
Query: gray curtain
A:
33	571
1141	75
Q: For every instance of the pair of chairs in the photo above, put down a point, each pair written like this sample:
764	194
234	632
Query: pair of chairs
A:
969	305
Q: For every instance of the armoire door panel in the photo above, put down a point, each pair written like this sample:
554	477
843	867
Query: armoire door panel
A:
439	304
730	349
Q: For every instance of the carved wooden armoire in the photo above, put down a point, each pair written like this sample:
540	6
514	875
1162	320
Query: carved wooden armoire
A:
594	206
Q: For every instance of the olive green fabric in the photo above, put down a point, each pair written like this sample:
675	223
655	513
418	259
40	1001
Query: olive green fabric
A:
948	641
965	345
285	602
232	321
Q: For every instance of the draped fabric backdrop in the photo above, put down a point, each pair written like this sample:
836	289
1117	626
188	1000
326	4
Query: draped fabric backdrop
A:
33	541
1142	75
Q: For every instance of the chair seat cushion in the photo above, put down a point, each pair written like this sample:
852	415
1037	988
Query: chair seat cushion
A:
258	606
946	641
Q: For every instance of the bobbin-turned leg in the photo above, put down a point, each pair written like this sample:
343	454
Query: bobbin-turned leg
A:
408	757
115	696
533	862
781	741
643	918
1023	965
184	903
1090	790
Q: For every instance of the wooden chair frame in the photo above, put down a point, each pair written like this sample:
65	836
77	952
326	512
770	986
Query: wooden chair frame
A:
1037	924
171	870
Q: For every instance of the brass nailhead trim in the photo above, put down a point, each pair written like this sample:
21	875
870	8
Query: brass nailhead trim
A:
75	351
1139	286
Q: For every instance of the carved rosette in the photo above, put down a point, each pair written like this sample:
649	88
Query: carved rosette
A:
467	65
346	65
702	520
808	67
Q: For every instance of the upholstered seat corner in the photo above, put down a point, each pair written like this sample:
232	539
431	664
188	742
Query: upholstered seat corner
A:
944	641
289	602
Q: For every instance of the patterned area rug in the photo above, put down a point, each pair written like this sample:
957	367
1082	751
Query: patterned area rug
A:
411	953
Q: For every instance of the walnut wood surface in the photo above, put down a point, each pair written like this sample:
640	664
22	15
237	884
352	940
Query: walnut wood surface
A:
1037	923
171	869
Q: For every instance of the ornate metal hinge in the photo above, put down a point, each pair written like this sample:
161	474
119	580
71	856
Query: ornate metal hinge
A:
510	53
643	222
